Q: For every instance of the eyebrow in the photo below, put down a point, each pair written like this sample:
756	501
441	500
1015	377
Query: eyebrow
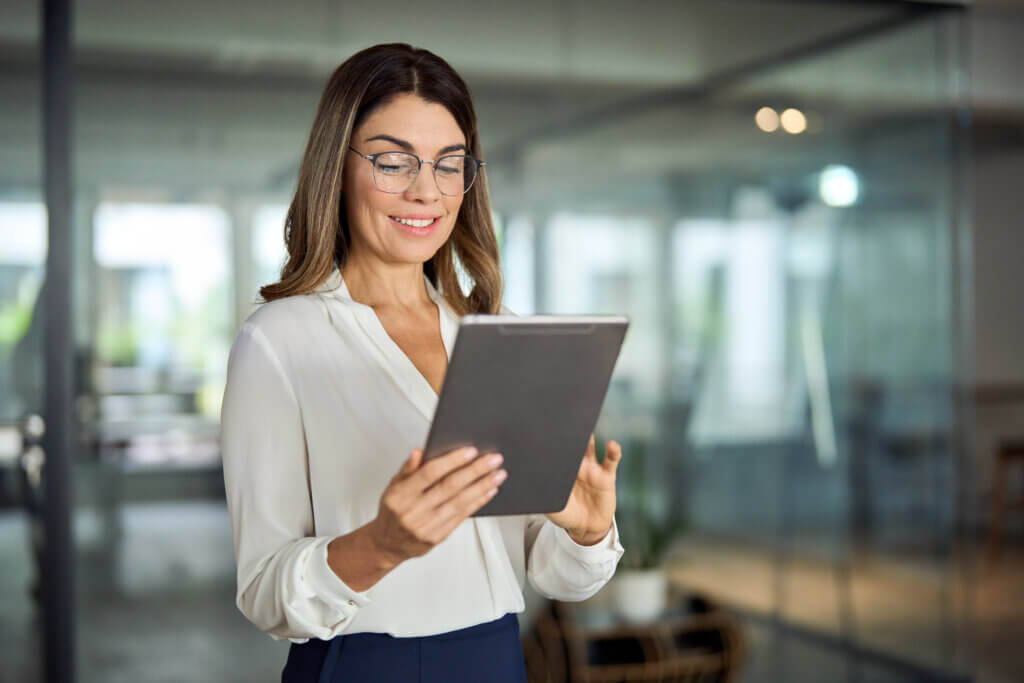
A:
409	148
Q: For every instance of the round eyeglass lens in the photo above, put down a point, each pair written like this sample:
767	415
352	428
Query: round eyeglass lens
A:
395	171
455	174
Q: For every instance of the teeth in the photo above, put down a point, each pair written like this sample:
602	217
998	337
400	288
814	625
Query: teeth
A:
415	223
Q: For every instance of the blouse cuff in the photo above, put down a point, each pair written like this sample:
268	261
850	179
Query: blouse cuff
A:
322	580
608	548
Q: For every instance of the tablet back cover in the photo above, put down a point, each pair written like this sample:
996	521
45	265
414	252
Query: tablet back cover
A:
530	388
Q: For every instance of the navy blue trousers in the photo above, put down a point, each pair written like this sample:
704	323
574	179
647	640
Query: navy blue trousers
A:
488	653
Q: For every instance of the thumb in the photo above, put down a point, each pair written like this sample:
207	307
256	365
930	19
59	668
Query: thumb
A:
612	456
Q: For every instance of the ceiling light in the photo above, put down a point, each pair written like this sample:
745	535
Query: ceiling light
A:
766	119
793	121
838	186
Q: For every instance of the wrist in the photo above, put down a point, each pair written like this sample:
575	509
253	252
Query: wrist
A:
587	536
358	560
384	558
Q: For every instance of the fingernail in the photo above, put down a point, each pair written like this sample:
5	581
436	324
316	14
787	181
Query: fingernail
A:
490	494
500	476
470	453
495	460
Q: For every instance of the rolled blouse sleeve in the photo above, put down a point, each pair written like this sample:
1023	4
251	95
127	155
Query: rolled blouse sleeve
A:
285	586
561	569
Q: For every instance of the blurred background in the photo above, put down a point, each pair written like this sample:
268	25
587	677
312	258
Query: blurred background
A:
810	211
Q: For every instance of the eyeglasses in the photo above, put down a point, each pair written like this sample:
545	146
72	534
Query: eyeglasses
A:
395	172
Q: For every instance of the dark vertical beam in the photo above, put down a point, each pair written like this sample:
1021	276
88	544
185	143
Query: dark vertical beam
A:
58	593
541	232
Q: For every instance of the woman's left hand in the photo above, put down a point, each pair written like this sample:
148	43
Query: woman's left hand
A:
587	516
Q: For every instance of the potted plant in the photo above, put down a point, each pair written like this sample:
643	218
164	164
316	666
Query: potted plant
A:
648	533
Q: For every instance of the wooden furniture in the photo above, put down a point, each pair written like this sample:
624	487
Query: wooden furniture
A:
1009	451
680	647
1007	454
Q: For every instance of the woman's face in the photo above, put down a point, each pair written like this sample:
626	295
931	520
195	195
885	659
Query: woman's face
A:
379	221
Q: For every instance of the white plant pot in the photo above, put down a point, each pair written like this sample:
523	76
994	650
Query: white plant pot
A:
639	594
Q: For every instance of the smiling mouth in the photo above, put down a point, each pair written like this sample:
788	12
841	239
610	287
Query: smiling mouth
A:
417	226
415	222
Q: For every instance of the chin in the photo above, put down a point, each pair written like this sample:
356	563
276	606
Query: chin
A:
420	249
416	253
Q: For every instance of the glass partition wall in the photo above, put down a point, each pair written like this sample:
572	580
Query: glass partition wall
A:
784	240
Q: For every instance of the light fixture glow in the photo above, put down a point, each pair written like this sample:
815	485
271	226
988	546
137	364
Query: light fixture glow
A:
793	121
838	186
767	119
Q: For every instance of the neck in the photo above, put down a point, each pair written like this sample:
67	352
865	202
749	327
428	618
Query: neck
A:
386	285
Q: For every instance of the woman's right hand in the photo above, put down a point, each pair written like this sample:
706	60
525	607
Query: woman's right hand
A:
426	501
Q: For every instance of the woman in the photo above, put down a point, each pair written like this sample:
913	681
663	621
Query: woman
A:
347	544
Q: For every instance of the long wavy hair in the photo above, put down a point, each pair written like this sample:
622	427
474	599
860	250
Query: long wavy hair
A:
316	232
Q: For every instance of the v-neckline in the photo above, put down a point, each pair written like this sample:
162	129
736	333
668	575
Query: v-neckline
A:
406	375
398	365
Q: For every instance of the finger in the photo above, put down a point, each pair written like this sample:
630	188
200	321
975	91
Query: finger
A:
591	450
396	496
452	512
442	531
448	527
413	462
410	494
612	456
466	501
410	465
455	482
436	468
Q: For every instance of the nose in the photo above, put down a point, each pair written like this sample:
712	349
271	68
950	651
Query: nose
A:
424	187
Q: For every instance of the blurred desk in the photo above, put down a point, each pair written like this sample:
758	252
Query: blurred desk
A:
153	458
181	440
141	417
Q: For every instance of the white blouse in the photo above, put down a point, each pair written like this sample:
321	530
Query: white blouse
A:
320	411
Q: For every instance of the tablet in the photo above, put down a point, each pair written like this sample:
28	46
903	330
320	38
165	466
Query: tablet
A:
530	388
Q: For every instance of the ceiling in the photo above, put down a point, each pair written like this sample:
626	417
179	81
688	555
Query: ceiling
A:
595	41
195	97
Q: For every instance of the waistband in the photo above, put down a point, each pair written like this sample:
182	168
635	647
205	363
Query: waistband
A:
500	624
508	621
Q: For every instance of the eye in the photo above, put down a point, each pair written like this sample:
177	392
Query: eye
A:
451	165
395	164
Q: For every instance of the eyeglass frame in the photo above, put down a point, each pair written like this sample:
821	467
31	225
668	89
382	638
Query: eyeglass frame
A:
372	158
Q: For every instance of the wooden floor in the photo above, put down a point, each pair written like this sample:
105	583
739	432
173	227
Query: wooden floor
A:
938	615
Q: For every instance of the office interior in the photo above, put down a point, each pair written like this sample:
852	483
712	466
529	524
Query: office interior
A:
809	210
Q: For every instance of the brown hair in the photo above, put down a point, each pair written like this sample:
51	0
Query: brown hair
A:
316	231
